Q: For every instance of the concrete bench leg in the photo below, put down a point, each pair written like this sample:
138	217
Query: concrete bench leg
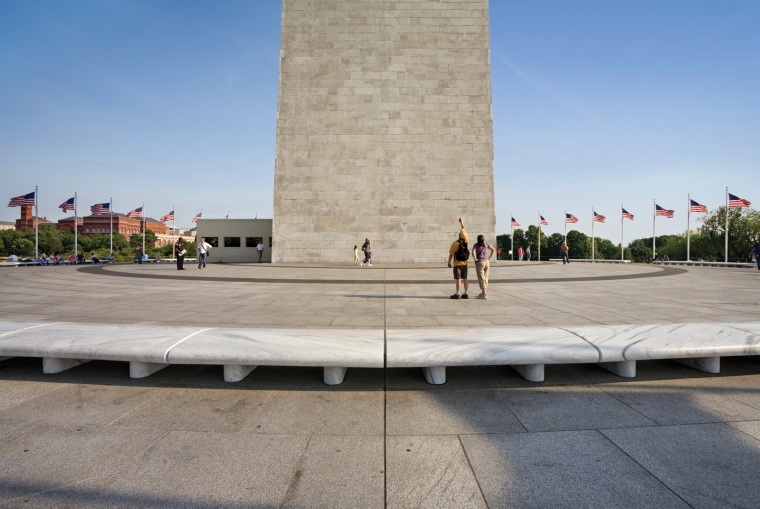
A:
52	365
334	376
706	364
531	372
236	372
143	369
435	375
626	369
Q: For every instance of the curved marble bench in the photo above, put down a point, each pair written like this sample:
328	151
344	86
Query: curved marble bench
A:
149	349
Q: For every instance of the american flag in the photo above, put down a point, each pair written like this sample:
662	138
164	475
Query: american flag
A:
569	218
734	202
136	214
514	222
101	208
24	199
659	211
67	205
627	215
543	221
198	216
168	217
696	207
598	217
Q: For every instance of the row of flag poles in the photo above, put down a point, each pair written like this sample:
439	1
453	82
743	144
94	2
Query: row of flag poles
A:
32	199
732	202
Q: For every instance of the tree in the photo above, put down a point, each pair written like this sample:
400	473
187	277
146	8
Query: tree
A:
553	245
743	233
503	242
531	238
579	244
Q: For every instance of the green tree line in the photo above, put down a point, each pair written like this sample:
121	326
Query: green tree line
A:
52	240
706	243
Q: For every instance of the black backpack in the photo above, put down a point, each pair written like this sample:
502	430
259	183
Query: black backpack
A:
462	253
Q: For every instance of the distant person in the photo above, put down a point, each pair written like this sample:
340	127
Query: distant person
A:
203	250
80	258
179	253
356	255
520	253
95	259
565	252
43	259
482	253
260	249
13	258
527	253
73	258
756	253
367	249
139	257
459	254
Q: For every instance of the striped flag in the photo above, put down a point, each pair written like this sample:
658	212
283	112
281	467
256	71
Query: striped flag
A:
67	205
198	216
569	218
168	217
659	211
136	214
598	217
101	208
514	222
627	215
696	207
734	202
543	221
24	199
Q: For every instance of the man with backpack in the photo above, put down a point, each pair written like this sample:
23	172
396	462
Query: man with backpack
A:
459	253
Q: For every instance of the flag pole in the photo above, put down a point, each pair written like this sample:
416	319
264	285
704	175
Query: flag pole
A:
622	249
592	233
726	224
654	216
37	222
539	236
688	227
76	227
174	225
143	227
110	210
565	226
511	238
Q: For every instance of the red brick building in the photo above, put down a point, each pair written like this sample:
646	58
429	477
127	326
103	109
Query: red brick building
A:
26	220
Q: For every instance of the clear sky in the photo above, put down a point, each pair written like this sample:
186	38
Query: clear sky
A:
174	103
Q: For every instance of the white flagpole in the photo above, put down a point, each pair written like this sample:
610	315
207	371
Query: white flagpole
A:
539	235
592	233
37	222
110	210
174	225
143	227
565	225
688	227
622	249
726	225
511	237
76	226
654	216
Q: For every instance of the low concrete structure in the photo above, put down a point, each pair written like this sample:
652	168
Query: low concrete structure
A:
235	240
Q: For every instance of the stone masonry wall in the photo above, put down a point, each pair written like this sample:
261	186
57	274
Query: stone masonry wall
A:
384	129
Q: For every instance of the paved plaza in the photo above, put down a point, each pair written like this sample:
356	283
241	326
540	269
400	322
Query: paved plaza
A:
182	438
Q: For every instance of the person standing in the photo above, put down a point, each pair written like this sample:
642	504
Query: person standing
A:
482	253
520	253
356	255
459	253
565	251
139	257
179	253
260	249
367	248
527	253
756	252
203	249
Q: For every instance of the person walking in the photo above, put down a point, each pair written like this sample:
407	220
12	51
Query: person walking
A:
260	249
527	253
565	251
203	250
459	253
367	248
482	253
179	253
520	253
356	255
756	252
139	256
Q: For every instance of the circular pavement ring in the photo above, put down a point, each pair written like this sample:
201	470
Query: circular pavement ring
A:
101	270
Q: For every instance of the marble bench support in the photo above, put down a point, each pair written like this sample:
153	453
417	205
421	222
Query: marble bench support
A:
531	372
52	365
706	364
143	369
333	375
435	375
237	372
626	369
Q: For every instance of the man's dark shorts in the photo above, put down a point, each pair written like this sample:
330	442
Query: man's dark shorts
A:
460	272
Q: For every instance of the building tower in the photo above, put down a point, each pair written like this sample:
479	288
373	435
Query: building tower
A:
384	129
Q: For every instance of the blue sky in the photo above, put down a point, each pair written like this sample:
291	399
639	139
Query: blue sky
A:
174	103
